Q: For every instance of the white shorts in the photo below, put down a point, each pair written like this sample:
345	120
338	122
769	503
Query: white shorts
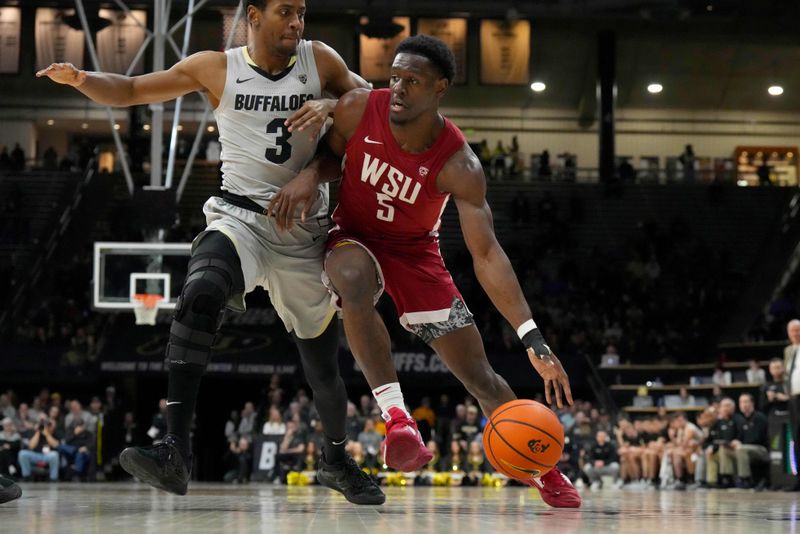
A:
286	263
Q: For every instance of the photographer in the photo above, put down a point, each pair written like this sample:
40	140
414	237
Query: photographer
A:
718	446
41	448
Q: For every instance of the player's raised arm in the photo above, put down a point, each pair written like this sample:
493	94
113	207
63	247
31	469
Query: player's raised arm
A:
463	178
198	72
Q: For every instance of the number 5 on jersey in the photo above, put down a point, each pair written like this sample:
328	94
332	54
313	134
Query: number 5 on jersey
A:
283	150
385	208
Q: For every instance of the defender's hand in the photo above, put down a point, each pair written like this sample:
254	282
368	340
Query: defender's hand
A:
311	117
303	189
554	376
63	73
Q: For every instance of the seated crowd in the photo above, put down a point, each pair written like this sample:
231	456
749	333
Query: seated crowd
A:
54	439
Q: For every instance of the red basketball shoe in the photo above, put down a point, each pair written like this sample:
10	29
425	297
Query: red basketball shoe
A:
403	448
556	489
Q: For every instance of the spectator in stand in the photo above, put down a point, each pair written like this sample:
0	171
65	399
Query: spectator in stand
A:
311	456
687	159
370	441
685	399
683	445
444	417
17	158
50	159
130	429
455	459
716	395
774	393
353	423
365	406
357	453
248	420
94	421
720	467
317	435
755	374
750	445
55	415
469	429
476	465
274	425
158	426
292	447
76	449
232	426
42	447
76	413
239	460
25	421
721	377
10	444
458	420
601	460
544	165
6	408
426	419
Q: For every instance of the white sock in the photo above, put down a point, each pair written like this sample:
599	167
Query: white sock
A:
389	396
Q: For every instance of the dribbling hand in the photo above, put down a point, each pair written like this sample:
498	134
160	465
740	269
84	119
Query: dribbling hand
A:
63	73
552	372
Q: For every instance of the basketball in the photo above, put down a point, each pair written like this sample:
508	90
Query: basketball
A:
523	438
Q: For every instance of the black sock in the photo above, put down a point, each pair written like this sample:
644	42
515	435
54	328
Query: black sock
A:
320	359
334	450
184	384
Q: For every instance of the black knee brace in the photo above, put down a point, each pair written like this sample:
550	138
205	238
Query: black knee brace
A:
215	273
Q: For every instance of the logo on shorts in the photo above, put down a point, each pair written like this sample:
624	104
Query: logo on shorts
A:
423	171
537	447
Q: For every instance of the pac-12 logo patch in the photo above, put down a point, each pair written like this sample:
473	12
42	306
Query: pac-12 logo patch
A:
423	171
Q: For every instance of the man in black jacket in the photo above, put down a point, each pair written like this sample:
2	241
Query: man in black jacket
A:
751	441
719	452
601	461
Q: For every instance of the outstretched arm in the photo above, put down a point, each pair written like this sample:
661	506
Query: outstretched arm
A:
198	72
463	178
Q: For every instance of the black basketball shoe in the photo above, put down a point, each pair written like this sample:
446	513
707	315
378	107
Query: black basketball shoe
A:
162	466
349	480
9	490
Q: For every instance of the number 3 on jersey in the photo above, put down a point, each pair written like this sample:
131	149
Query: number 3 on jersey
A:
385	208
283	150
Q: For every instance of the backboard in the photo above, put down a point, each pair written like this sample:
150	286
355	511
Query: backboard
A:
122	269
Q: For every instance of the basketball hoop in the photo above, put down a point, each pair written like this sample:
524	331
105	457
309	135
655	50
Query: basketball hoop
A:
145	307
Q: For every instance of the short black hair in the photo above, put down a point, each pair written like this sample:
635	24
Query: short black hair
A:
258	4
434	50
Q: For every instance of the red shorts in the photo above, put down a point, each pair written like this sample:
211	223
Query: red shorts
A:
414	275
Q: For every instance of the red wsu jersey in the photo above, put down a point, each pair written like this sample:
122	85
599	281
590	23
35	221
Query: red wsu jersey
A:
387	193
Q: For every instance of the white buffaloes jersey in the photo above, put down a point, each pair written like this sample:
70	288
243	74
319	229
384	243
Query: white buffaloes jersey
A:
259	154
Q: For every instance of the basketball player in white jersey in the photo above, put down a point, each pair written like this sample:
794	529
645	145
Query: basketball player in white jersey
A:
267	99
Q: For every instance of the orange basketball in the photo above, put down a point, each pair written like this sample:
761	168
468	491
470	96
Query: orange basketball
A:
523	438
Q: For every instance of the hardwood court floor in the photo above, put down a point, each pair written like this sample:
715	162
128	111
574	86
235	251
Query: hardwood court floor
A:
132	507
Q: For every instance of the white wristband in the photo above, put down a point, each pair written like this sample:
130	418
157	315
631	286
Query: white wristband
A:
526	327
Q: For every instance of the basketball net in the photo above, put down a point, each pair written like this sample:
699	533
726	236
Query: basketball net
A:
145	307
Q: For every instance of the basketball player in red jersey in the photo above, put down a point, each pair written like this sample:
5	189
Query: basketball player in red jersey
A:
402	162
